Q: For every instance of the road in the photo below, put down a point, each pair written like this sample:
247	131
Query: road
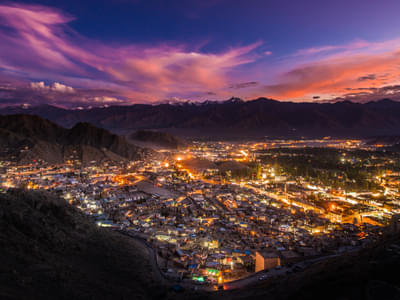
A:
152	256
254	278
160	276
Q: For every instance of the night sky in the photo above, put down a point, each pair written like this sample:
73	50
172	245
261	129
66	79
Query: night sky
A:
94	53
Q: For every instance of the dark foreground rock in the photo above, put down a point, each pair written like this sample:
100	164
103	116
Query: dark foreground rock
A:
49	250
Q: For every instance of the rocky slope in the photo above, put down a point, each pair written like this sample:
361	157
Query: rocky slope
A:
158	138
26	138
49	250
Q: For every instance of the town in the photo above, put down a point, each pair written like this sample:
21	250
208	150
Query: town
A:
218	212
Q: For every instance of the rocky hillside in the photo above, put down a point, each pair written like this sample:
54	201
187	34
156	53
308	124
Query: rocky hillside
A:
26	138
49	250
158	138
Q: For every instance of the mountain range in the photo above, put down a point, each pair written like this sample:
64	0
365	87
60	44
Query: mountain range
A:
235	118
29	137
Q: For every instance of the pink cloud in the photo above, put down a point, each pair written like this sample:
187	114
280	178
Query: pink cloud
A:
359	44
38	43
358	65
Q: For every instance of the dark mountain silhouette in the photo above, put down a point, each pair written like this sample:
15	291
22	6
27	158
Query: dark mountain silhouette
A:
237	118
31	126
29	137
158	138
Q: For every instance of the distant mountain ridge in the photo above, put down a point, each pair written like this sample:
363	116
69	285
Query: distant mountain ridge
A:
30	137
236	118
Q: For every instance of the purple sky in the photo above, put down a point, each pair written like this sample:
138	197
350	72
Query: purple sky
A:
70	53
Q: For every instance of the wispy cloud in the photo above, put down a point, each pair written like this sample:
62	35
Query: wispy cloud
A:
359	44
243	85
42	59
38	43
356	65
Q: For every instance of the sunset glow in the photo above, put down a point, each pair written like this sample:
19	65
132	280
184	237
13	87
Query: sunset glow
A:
49	53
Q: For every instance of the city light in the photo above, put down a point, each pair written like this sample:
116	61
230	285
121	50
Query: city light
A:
216	214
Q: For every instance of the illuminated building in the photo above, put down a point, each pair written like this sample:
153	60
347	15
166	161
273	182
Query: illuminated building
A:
266	260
